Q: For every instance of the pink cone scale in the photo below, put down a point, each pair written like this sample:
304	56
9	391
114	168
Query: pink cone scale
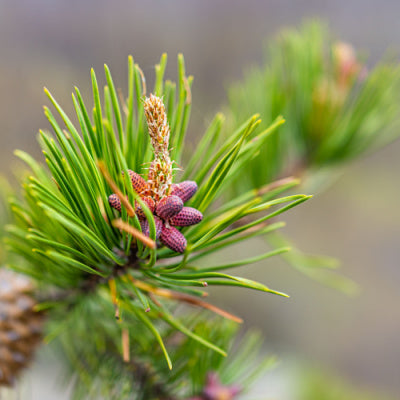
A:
115	202
186	217
173	239
185	190
169	206
150	204
138	183
144	224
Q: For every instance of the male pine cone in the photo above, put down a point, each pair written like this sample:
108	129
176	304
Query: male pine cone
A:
20	325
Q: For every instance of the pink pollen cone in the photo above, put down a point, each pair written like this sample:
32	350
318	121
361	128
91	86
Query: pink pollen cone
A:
185	190
150	204
173	239
114	202
138	183
186	217
144	224
169	206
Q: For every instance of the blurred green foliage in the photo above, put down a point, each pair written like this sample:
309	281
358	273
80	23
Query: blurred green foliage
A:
96	368
317	385
336	107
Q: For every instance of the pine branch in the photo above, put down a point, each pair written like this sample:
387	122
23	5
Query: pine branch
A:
104	229
338	109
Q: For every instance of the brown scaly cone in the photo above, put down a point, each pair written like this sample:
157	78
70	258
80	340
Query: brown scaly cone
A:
20	325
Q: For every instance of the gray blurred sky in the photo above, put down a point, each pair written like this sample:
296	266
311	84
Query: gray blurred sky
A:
55	43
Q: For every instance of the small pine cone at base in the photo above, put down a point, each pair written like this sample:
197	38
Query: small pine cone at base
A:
20	326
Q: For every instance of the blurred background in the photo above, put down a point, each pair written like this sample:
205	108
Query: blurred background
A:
54	43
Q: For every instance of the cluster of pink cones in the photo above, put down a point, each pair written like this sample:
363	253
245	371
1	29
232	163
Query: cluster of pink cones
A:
168	211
